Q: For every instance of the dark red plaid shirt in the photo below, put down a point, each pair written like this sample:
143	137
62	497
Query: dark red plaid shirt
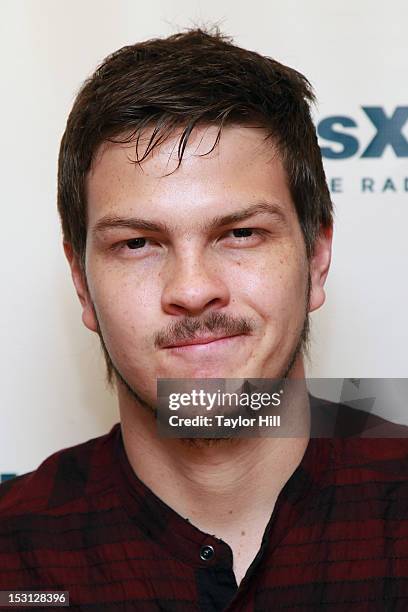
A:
337	538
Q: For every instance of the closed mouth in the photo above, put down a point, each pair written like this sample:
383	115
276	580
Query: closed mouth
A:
203	340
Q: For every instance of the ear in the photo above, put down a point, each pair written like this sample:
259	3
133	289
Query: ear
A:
319	267
78	276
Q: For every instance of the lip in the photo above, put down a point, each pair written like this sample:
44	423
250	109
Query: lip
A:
202	342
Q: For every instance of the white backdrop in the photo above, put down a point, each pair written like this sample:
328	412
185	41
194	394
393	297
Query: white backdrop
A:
355	54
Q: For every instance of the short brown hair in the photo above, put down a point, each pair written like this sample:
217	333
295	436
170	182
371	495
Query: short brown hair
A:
196	77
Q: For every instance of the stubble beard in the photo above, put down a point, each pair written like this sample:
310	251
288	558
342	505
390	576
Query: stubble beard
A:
302	347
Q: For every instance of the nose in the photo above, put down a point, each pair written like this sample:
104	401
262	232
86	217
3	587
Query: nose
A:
194	286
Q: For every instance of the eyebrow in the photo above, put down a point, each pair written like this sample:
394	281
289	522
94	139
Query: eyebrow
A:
135	223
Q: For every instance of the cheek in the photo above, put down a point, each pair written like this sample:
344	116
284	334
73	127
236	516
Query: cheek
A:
125	309
275	288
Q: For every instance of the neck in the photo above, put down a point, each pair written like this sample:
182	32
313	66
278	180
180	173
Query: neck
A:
215	485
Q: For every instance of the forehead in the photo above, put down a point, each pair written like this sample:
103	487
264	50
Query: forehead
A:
241	169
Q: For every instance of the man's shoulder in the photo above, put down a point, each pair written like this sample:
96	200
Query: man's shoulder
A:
340	420
369	454
62	479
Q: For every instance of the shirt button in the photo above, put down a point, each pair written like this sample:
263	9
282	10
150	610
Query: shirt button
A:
207	552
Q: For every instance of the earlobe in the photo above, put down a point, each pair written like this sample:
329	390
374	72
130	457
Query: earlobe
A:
319	267
78	277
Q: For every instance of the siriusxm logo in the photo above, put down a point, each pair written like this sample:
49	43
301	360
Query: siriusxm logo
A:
389	133
6	476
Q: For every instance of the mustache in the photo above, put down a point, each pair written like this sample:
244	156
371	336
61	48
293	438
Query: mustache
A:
189	327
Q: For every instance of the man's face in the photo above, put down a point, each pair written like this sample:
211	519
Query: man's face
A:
167	262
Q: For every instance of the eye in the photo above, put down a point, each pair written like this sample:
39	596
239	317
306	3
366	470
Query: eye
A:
133	247
243	232
241	237
135	243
